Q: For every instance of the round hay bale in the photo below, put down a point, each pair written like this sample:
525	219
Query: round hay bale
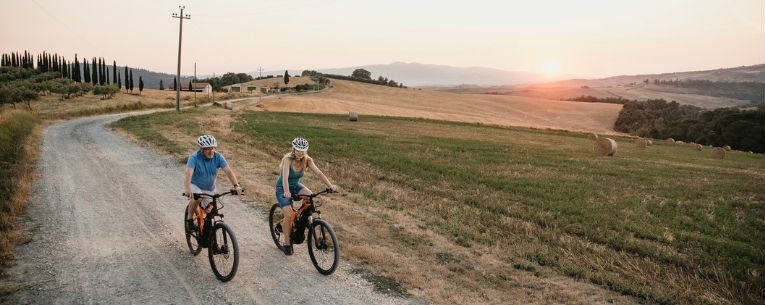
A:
353	116
718	153
642	143
751	152
228	105
592	136
680	142
606	146
699	147
650	142
726	147
671	140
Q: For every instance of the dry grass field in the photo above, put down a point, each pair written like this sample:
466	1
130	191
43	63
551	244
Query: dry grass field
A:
465	213
53	107
563	92
366	99
279	81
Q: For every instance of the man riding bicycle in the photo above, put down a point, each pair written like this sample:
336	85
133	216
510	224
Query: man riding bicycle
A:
201	171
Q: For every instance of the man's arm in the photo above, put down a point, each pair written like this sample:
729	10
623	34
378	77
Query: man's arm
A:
187	182
232	178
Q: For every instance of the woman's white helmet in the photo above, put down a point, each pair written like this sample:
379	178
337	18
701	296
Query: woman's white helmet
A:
207	141
300	144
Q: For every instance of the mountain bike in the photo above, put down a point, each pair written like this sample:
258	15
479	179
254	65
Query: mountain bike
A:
322	242
210	232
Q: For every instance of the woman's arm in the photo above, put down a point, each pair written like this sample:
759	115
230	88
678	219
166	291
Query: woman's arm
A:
321	175
285	177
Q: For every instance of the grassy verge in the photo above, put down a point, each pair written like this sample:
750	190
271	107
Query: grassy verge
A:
473	206
19	135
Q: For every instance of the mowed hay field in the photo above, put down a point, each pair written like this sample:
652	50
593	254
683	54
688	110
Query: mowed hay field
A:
465	213
346	96
564	92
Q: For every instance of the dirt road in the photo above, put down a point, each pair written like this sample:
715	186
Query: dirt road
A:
105	222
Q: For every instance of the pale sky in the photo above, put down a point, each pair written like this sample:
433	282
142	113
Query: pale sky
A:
586	38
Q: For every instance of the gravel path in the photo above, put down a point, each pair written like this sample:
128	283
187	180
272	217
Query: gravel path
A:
105	222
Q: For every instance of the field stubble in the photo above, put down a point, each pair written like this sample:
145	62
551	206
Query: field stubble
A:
463	213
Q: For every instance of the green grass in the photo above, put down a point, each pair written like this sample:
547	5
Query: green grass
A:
692	224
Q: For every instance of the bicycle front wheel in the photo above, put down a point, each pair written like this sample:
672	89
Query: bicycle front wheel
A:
274	225
192	237
223	252
323	248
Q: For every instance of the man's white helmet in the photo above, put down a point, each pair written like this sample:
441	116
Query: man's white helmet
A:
207	141
300	144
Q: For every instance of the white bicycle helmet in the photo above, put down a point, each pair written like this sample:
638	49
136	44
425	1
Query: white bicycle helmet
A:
207	141
300	144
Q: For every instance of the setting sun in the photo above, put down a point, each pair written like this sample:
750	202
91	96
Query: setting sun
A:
550	69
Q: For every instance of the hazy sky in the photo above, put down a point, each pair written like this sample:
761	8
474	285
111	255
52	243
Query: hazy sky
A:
587	38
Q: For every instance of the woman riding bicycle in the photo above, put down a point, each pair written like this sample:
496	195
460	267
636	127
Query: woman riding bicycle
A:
292	166
201	171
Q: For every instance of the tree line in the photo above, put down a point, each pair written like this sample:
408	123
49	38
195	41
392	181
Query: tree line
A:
741	129
24	77
752	91
358	75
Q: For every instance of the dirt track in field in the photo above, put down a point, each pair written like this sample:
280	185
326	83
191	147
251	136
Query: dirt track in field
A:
105	227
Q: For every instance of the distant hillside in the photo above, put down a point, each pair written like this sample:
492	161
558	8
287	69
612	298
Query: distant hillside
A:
732	87
418	75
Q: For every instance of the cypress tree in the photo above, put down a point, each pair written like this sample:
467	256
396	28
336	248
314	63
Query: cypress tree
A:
175	83
104	73
191	88
126	78
114	71
85	70
106	76
161	85
140	85
94	72
131	80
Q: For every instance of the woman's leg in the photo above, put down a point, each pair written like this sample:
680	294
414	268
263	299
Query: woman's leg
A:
287	224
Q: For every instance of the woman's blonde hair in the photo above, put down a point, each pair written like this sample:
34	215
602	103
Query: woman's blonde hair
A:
303	163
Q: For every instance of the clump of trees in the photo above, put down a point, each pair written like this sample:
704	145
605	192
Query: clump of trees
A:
752	91
24	77
659	119
107	91
359	75
592	99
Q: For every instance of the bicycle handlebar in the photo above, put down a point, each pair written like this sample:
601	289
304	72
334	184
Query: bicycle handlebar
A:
298	197
213	196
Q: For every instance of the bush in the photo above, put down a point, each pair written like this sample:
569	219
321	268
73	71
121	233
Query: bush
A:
659	119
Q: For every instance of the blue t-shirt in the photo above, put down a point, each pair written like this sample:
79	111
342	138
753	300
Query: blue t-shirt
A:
205	170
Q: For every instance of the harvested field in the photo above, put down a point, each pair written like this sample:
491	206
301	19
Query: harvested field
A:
667	225
366	99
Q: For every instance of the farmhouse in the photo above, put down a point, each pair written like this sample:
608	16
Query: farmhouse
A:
249	87
201	87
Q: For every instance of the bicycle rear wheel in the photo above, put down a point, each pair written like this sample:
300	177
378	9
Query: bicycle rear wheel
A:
275	217
323	248
191	237
223	252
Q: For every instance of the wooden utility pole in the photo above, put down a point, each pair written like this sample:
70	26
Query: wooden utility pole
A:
192	85
180	17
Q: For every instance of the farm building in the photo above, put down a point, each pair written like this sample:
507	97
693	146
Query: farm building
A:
201	87
248	87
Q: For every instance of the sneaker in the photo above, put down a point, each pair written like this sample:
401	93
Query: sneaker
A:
287	249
